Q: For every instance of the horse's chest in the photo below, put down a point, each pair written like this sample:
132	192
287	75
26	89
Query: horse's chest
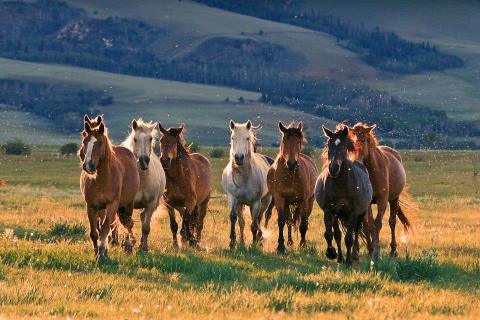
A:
247	196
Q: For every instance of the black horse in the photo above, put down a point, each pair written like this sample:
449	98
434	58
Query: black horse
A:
344	192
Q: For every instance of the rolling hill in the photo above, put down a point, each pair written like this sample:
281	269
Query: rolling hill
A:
202	108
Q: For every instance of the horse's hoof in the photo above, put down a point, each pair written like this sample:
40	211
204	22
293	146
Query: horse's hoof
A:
348	263
331	253
355	256
281	249
144	249
340	259
394	254
232	246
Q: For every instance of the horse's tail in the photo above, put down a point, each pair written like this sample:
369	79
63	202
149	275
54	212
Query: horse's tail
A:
406	204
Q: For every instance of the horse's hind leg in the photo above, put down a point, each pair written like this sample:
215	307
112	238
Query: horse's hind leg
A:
368	229
201	213
173	225
382	206
392	221
146	218
352	221
268	213
337	234
305	213
291	222
105	228
356	244
127	221
328	221
255	210
241	223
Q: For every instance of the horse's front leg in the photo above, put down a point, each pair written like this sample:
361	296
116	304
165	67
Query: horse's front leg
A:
328	218
352	221
306	209
356	244
146	218
255	209
392	221
105	228
241	223
187	219
281	207
93	221
233	221
337	234
173	225
127	221
382	207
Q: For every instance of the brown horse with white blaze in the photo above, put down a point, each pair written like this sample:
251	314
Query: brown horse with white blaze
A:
291	181
188	187
109	185
388	179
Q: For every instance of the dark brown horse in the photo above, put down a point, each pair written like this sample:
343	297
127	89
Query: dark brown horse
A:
388	179
343	191
291	181
188	187
109	185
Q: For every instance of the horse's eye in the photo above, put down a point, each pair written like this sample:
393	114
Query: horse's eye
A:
248	139
151	139
134	140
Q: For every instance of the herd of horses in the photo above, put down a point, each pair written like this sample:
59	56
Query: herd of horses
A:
356	173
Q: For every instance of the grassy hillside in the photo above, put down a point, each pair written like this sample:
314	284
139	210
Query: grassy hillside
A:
453	91
47	267
202	108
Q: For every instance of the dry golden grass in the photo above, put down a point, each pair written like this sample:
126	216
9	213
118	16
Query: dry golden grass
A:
48	270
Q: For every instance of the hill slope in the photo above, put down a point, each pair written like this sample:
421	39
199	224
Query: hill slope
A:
202	108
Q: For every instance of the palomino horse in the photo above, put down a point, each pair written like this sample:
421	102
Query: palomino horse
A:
109	185
189	185
291	181
388	179
244	180
344	192
141	142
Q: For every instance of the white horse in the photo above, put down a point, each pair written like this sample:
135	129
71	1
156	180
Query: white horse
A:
141	142
244	180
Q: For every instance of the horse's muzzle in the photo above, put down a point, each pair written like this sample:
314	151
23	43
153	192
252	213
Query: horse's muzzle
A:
89	167
166	162
239	159
143	162
292	165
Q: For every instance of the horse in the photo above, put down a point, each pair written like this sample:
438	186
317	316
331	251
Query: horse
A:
109	182
291	181
188	187
244	180
388	179
343	191
141	142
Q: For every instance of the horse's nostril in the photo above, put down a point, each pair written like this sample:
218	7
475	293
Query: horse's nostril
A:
239	158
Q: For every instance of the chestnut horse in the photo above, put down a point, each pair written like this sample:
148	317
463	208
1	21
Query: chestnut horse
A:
244	179
189	185
141	142
109	186
343	191
388	179
291	181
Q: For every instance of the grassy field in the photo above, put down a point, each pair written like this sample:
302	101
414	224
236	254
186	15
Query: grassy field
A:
202	108
47	267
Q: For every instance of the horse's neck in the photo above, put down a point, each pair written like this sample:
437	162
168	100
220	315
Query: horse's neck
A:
105	169
175	172
243	172
373	158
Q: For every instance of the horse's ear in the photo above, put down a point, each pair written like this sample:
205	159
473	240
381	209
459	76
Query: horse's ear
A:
249	125
134	124
99	119
371	128
300	126
327	132
345	131
86	119
87	128
232	125
162	129
282	127
101	128
180	129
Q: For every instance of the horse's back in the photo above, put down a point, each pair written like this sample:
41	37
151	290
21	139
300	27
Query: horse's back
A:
203	171
390	151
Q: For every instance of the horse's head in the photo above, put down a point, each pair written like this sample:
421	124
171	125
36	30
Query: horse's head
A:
171	139
94	147
338	146
293	139
363	138
242	141
93	122
143	140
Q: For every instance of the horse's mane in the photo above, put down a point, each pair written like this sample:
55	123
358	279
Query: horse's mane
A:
292	127
145	127
372	140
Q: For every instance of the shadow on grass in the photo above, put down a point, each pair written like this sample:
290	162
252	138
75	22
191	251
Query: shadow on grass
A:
60	231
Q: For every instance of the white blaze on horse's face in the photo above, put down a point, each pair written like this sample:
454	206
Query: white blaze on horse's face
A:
337	142
88	154
242	143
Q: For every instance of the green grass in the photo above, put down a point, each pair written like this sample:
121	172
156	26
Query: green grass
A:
202	108
47	267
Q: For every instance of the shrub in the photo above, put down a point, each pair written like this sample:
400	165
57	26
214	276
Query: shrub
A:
69	149
216	153
17	147
64	231
195	146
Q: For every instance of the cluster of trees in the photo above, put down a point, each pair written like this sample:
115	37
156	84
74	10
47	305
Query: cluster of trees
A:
381	49
66	106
